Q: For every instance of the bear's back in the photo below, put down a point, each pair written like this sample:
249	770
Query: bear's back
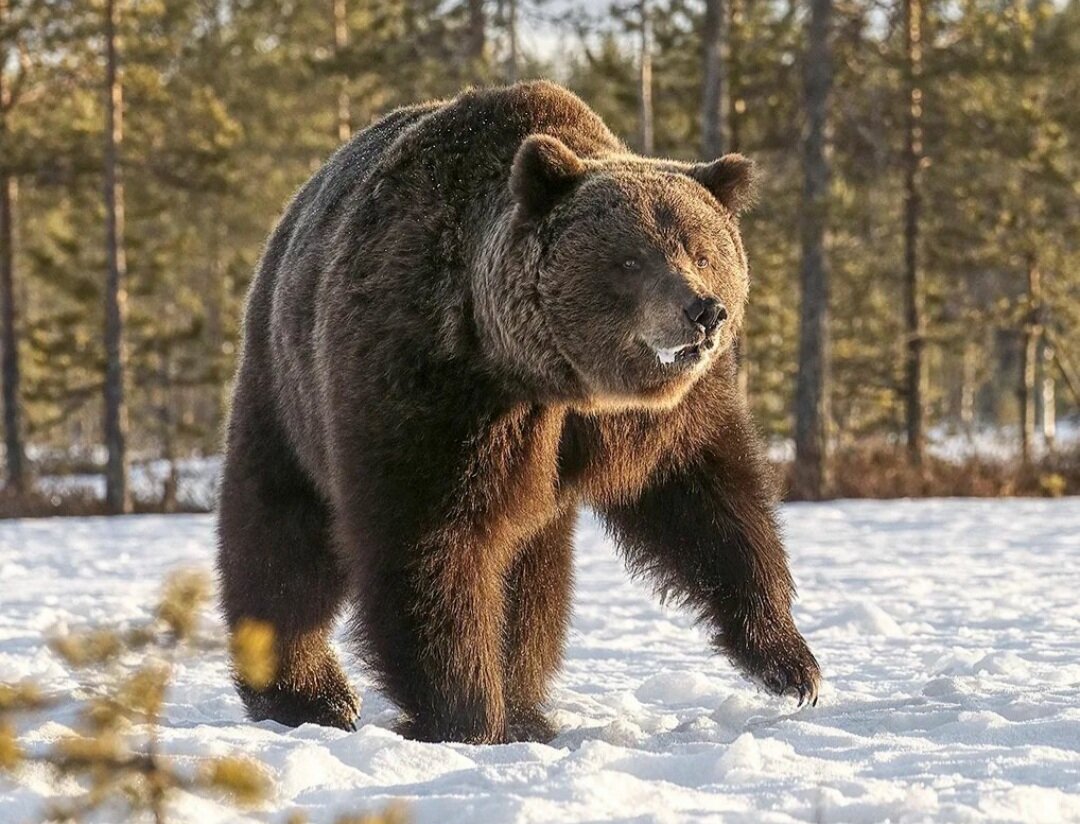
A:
440	162
429	164
406	204
374	252
480	130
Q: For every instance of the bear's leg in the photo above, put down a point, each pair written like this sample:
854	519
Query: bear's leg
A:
728	565
431	630
706	533
538	591
276	567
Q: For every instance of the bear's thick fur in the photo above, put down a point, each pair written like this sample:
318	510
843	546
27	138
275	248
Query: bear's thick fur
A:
477	317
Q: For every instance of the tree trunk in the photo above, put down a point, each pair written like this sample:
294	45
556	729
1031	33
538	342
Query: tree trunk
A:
914	320
341	42
1030	339
512	36
1049	396
9	333
736	105
477	32
967	387
811	392
215	285
735	109
117	494
9	339
167	428
715	105
645	96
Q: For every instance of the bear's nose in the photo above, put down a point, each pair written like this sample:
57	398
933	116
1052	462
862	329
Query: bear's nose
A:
707	312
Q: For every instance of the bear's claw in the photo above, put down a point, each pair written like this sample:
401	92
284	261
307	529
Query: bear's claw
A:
796	678
785	669
807	695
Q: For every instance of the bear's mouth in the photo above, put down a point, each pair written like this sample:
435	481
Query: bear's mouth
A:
685	355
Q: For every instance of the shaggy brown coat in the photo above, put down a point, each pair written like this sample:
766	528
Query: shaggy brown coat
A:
478	317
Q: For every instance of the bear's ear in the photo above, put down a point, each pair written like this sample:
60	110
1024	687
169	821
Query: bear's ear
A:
732	179
544	170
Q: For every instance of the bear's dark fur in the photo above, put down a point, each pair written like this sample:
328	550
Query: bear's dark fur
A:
480	315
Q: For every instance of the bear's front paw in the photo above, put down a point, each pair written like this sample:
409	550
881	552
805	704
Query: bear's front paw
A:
328	700
785	667
292	707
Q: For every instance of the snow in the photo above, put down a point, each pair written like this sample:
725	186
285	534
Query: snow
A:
948	632
196	482
997	443
956	444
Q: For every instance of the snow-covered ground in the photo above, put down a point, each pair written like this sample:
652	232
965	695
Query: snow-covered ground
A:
948	632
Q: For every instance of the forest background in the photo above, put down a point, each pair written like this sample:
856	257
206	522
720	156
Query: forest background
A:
915	265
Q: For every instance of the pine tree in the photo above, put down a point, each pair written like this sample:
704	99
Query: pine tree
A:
10	371
715	103
914	320
811	400
117	493
646	139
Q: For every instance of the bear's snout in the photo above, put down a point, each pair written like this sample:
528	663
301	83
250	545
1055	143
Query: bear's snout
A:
707	312
695	332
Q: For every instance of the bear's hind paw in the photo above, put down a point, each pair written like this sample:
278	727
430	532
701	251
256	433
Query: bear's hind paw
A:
530	725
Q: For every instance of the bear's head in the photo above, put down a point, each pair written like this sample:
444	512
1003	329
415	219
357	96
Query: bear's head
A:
641	274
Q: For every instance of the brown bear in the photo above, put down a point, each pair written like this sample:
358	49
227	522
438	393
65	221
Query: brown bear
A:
479	316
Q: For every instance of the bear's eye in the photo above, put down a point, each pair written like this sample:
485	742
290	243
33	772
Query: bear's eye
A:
702	262
630	263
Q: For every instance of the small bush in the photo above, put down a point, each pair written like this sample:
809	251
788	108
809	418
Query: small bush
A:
115	751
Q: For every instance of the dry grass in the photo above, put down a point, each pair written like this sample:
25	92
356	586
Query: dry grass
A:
71	503
885	471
